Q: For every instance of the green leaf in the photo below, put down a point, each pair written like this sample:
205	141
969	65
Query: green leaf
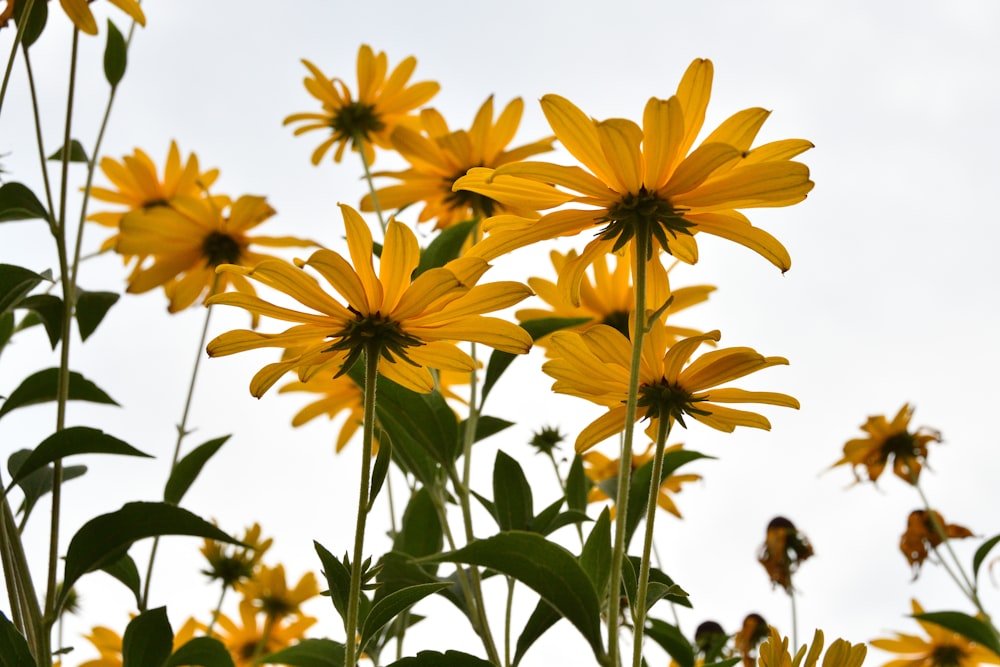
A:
338	579
381	468
658	580
562	519
125	571
672	640
427	419
49	309
72	441
639	491
499	361
387	608
969	627
511	494
399	571
14	651
148	639
91	307
981	553
76	153
6	328
630	580
106	538
420	532
445	247
595	559
577	485
544	522
546	568
728	662
36	21
15	284
309	653
17	202
446	659
42	387
115	56
38	483
188	469
203	651
541	619
485	427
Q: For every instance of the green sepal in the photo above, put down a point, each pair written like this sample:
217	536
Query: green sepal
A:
188	468
42	387
511	494
148	639
202	651
76	153
115	55
445	247
18	202
91	307
309	653
70	442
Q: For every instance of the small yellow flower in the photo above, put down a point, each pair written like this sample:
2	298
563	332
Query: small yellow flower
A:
337	394
439	156
249	640
603	472
269	592
368	120
415	321
890	442
784	549
79	13
774	652
941	648
921	535
232	564
595	365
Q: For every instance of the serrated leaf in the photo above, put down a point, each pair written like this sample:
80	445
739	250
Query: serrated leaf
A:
188	468
381	468
384	610
672	640
18	202
36	21
981	553
511	494
445	247
72	441
202	651
546	568
969	627
91	307
76	152
309	653
115	56
38	483
106	538
148	639
49	309
446	659
14	651
541	619
15	284
42	388
125	571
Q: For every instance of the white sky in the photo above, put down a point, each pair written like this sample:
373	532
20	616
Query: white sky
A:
890	298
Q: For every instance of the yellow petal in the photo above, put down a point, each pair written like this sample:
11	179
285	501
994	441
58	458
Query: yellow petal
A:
663	130
359	242
400	256
734	226
732	395
620	140
740	129
727	419
577	133
79	13
602	428
693	93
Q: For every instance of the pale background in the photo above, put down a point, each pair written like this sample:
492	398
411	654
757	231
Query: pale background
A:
891	297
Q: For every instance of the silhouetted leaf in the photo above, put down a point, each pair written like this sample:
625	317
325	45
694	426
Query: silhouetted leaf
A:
672	640
17	202
446	659
15	284
188	469
36	21
42	387
981	553
511	494
72	441
91	307
125	571
387	608
309	653
76	152
49	310
14	651
203	651
115	56
148	639
969	627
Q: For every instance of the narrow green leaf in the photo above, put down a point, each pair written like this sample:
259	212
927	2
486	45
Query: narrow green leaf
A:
446	659
202	651
17	202
36	21
338	578
42	387
630	580
76	153
37	484
546	568
577	485
125	571
485	427
445	247
148	639
91	307
381	468
544	522
420	532
188	469
674	593
15	284
656	591
969	627
72	441
6	328
595	558
499	361
541	619
387	608
309	653
49	309
511	494
567	518
672	640
115	56
106	538
981	553
14	651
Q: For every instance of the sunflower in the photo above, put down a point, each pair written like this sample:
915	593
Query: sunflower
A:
268	591
603	472
382	104
922	535
784	549
79	13
438	157
248	640
608	297
890	441
189	239
415	322
595	365
647	182
232	564
774	652
941	648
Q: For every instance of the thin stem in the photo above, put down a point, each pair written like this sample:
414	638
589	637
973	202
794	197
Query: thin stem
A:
372	352
795	614
507	621
25	13
625	462
33	95
359	143
639	609
217	611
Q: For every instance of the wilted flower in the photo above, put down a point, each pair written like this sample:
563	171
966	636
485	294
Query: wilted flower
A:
890	442
754	631
784	549
922	535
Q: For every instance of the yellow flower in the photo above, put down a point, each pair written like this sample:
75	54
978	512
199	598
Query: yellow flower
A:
603	472
338	394
784	549
232	564
248	640
774	653
189	239
269	592
109	643
941	648
415	321
438	157
381	105
646	180
921	535
890	441
79	13
595	365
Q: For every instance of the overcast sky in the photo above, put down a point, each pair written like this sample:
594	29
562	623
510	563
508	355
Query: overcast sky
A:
891	296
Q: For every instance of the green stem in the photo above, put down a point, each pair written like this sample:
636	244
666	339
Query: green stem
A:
24	589
217	611
372	352
507	621
38	137
26	12
639	609
359	143
795	614
640	250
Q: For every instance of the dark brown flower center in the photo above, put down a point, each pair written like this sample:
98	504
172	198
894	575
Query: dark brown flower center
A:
364	331
664	400
948	655
221	248
646	214
902	445
356	121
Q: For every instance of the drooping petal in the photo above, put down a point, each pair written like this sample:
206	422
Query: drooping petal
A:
609	424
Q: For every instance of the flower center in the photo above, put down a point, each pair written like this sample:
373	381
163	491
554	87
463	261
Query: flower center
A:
644	213
480	205
220	248
356	121
947	655
618	320
663	400
373	329
153	203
